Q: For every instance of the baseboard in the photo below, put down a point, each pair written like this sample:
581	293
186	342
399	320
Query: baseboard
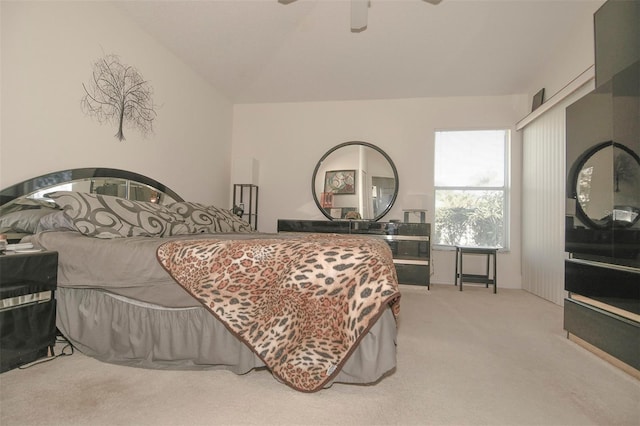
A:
605	356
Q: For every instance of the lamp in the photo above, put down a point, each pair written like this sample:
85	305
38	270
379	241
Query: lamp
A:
246	171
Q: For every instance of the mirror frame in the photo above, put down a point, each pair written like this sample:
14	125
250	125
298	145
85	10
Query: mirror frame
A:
355	143
575	174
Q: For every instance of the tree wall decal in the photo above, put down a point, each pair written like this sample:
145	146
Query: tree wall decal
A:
119	94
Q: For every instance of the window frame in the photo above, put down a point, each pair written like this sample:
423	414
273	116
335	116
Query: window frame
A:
505	188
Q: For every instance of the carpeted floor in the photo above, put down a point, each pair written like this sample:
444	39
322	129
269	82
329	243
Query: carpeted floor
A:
464	358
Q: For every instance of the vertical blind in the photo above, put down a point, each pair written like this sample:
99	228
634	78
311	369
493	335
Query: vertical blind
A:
543	201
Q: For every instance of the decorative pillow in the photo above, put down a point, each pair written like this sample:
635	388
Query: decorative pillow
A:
20	204
24	220
105	216
35	202
57	220
196	216
233	222
209	219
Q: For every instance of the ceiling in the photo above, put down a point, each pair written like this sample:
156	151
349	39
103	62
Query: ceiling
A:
256	51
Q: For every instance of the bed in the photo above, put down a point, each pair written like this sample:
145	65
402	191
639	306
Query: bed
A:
149	280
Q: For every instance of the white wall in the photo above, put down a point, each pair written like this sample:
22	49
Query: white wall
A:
571	56
48	49
288	139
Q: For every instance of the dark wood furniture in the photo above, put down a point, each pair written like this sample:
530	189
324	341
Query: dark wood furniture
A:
602	273
410	243
28	283
603	309
489	277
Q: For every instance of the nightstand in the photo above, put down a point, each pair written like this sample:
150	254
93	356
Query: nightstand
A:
28	282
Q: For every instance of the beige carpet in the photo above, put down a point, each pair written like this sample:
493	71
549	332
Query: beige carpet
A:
470	358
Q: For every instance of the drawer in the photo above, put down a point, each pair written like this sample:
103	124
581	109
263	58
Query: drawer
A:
26	333
615	335
391	228
25	273
412	274
27	307
614	285
409	249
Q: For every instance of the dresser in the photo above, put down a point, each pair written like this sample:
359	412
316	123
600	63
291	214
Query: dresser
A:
602	228
410	243
28	283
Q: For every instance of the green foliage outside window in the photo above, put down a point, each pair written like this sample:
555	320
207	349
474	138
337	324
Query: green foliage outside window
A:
469	218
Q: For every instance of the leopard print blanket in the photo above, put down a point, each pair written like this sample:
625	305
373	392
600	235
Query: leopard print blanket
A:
302	304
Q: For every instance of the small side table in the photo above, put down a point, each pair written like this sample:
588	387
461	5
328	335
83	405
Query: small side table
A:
491	274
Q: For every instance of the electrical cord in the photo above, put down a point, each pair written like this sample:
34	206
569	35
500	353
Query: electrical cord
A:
67	350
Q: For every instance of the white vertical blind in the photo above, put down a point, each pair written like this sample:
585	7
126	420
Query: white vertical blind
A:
543	201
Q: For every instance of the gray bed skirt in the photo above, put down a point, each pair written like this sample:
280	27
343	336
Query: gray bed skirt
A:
122	331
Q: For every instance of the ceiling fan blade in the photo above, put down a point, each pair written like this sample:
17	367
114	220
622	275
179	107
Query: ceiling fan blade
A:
434	2
285	1
359	14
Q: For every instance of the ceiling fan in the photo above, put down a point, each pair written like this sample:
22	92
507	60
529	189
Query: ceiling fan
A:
359	12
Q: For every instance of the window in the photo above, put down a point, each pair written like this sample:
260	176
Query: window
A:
471	175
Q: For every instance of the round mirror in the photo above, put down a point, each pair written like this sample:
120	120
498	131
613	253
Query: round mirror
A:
606	186
355	180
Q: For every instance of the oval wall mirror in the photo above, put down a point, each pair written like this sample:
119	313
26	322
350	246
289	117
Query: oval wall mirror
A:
355	180
606	183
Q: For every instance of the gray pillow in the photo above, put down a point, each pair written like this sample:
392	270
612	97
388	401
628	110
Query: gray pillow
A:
105	216
20	204
24	220
55	221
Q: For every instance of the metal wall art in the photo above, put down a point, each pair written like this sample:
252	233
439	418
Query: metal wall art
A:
118	94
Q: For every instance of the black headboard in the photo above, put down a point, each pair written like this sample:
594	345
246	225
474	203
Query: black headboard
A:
52	180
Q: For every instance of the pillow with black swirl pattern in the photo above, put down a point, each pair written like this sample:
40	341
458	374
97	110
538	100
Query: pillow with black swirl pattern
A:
106	216
209	219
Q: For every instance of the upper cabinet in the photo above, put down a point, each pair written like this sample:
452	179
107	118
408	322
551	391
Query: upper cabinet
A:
603	145
617	38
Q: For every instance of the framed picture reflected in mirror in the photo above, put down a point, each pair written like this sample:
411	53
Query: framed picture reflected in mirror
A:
340	182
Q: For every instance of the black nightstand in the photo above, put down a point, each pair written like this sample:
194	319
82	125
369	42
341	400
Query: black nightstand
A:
28	282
